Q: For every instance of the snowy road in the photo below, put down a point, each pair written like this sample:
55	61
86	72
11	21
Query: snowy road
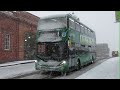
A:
10	71
106	70
101	69
71	75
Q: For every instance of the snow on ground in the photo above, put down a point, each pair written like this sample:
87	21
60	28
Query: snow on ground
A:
16	62
107	70
16	69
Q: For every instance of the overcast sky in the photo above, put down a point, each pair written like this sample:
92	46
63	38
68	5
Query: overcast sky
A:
102	22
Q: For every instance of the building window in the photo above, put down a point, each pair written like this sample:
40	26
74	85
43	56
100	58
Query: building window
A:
7	42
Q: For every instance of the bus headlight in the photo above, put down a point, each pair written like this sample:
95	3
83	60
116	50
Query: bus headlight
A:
63	62
35	61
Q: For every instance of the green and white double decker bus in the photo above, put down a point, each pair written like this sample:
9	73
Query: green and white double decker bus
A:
63	44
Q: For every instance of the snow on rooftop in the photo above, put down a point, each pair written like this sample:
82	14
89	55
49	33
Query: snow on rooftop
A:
7	13
53	16
64	15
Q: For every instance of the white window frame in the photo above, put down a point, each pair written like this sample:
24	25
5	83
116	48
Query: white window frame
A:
7	42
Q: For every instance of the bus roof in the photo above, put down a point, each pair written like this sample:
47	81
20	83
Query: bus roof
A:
66	15
54	16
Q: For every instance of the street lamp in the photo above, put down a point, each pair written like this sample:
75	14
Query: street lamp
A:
29	37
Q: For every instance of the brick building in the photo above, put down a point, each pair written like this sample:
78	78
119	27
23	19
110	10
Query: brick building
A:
17	35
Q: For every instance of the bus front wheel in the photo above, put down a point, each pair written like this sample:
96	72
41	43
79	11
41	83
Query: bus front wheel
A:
65	73
78	64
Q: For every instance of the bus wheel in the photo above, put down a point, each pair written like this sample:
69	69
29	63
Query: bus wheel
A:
78	65
64	73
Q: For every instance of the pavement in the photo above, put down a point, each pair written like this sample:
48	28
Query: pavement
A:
16	68
106	70
16	63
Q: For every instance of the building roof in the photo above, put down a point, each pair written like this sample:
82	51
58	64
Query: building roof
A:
21	16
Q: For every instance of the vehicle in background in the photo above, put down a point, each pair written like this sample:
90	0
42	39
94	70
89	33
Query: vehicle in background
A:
114	53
